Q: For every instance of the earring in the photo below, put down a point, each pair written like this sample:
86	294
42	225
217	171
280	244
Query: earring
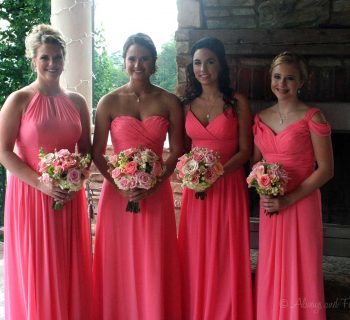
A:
299	90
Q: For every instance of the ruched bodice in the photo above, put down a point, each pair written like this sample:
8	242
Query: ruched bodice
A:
136	271
219	135
50	123
290	242
214	232
129	132
292	146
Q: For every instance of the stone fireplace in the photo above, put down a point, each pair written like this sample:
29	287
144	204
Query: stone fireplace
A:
253	31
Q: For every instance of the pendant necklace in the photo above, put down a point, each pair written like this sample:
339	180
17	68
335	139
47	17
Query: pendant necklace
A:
135	94
137	97
209	111
283	117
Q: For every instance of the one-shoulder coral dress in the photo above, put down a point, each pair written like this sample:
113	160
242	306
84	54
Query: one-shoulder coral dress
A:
214	233
47	253
136	267
289	279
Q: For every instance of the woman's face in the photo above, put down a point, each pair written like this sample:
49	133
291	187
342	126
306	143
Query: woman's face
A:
206	66
139	62
48	62
285	81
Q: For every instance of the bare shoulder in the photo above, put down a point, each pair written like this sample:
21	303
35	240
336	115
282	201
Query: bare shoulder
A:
167	95
19	100
168	100
111	98
319	117
77	98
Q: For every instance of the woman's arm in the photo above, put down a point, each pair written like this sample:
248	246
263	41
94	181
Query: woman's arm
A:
322	146
84	143
102	125
187	139
245	135
257	156
176	135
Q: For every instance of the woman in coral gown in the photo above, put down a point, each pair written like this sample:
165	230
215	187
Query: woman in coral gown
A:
47	252
289	279
214	232
136	267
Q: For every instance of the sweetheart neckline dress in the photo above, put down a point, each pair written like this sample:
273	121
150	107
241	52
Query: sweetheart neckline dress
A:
289	277
136	268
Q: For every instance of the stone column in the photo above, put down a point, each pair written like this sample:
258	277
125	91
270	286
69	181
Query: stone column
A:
74	19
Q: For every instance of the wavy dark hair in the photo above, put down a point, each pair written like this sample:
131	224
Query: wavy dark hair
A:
193	88
143	40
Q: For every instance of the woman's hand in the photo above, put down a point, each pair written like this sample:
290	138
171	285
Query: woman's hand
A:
137	194
274	204
56	193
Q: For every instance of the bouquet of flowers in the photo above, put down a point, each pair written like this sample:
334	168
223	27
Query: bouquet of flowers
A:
135	168
199	169
269	179
63	169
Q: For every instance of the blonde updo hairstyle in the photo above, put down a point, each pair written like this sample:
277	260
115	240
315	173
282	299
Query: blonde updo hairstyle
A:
43	34
291	58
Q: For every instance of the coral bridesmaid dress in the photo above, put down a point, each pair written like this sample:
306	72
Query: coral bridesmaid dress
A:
214	233
47	253
289	280
136	268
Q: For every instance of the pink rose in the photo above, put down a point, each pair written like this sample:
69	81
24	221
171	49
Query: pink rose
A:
182	161
195	178
69	163
130	168
145	180
250	179
129	152
116	173
210	176
133	183
210	159
190	167
123	183
74	176
259	170
198	156
63	153
45	178
264	181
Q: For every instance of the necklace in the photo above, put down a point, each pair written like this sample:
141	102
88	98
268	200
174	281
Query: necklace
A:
209	109
137	97
283	117
210	106
144	92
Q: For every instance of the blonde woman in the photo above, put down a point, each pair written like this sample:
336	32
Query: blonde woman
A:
289	280
47	252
